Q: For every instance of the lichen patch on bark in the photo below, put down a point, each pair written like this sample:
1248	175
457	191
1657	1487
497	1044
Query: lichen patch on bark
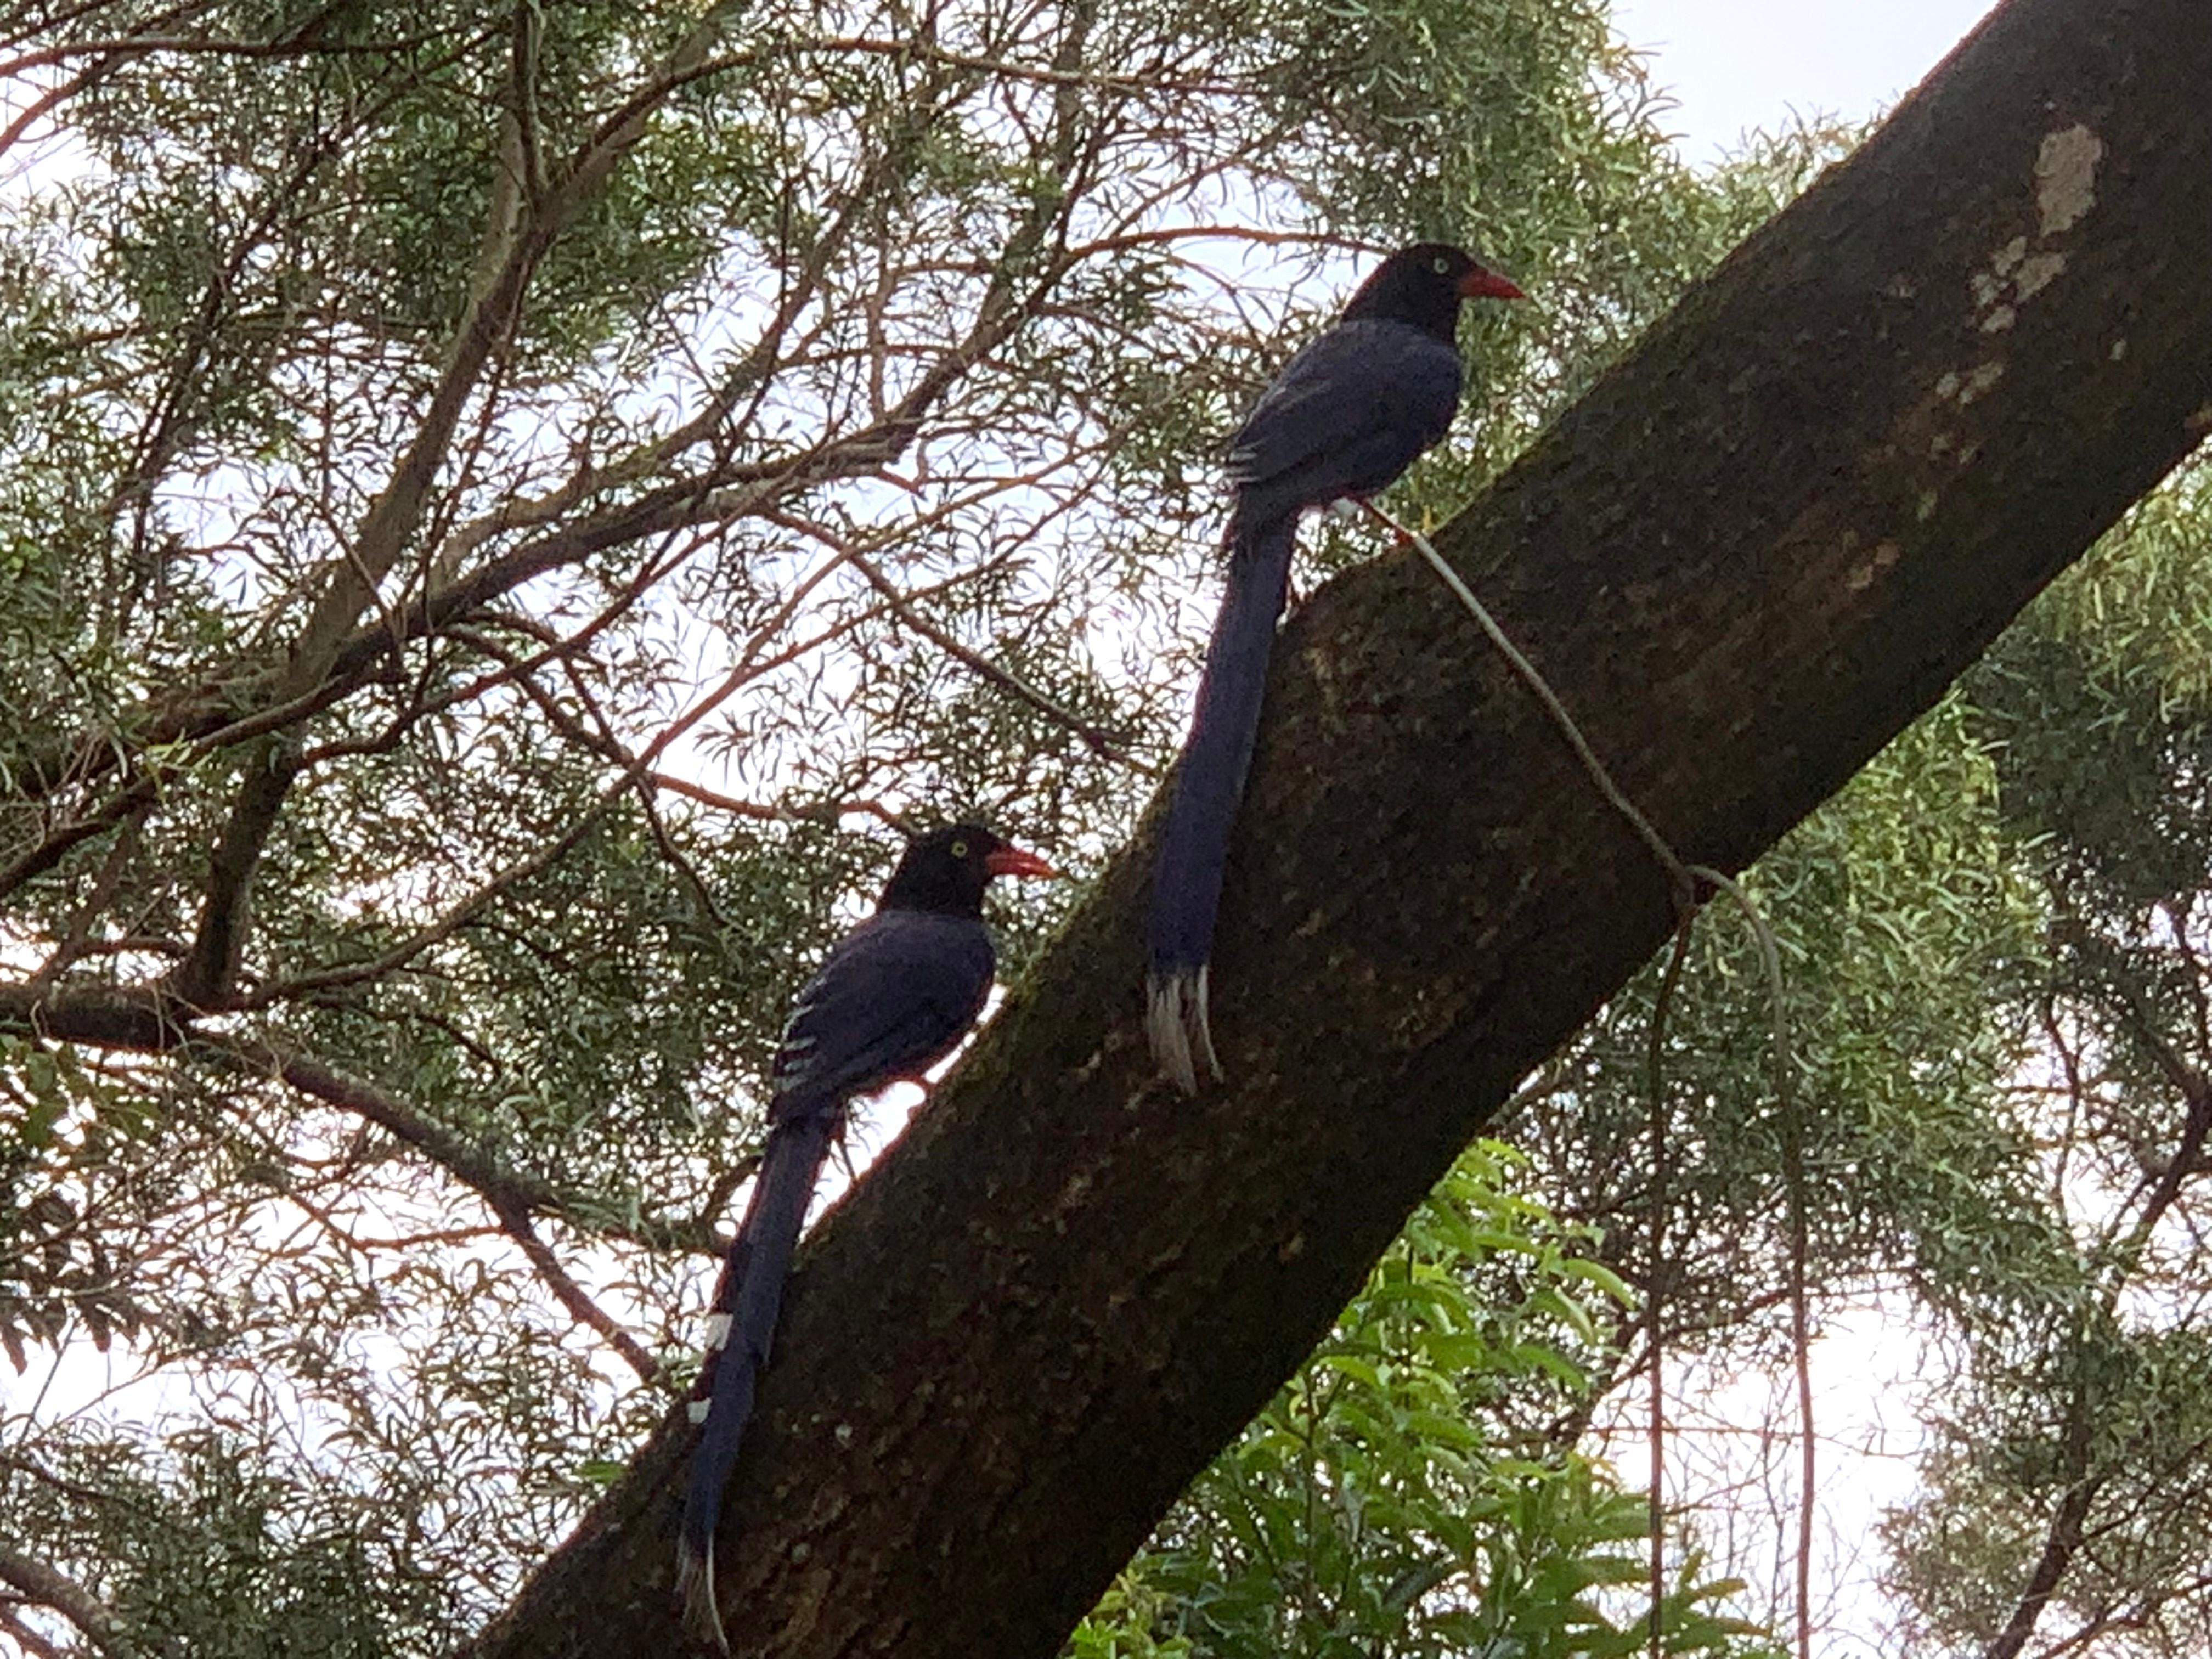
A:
2066	178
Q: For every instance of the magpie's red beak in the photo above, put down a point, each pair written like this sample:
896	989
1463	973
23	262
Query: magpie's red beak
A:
1480	284
1013	861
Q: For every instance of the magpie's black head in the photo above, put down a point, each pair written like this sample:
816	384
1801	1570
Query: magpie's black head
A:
1423	284
947	869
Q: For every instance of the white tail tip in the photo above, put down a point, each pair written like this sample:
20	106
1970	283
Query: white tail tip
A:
1176	1022
695	1585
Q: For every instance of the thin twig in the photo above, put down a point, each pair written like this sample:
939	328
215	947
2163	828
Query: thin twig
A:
76	936
1793	1180
1099	742
830	813
1684	880
514	1221
1654	1290
1677	873
473	1167
32	1643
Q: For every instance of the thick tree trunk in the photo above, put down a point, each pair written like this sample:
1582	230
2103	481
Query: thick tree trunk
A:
1745	560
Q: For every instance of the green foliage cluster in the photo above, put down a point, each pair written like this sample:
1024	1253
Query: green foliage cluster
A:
234	1561
2076	1435
1416	1490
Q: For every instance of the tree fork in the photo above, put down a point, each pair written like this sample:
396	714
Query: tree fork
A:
1748	557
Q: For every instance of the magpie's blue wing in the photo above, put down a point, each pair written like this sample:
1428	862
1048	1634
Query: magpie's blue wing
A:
1346	416
893	997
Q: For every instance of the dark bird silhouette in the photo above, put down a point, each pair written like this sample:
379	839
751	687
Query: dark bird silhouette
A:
893	998
1353	409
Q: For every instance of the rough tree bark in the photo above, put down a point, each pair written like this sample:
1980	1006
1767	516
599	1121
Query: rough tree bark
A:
1748	558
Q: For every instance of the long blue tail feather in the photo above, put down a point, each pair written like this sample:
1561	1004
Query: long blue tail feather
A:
747	1300
1209	784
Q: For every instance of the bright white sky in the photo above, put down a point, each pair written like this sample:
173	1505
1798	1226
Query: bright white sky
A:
1733	65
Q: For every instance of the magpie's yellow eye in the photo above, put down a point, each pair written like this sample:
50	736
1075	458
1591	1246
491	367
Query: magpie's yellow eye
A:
960	849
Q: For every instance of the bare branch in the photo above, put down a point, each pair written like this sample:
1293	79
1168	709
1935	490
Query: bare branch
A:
831	812
58	843
209	973
50	1588
1101	742
33	1643
76	936
40	107
514	1221
497	1185
147	1021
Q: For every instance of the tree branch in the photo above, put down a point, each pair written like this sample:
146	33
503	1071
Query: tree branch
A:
42	1584
150	1022
501	1189
514	1221
514	240
830	813
1100	742
207	977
